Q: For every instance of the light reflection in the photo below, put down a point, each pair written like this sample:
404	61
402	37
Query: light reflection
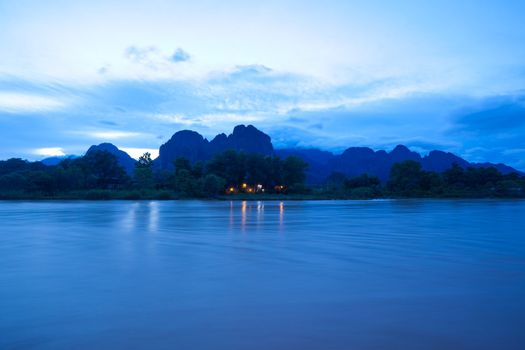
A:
260	211
281	213
153	216
257	212
243	214
128	221
231	214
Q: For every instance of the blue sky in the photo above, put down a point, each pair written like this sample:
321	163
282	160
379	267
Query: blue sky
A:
436	74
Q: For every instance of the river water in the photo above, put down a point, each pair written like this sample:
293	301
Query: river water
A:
407	274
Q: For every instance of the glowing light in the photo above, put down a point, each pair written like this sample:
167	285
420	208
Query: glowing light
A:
279	188
244	185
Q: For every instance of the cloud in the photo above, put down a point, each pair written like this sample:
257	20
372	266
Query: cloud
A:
18	102
180	56
108	134
514	151
495	115
491	129
103	70
108	122
112	135
141	54
293	109
246	71
49	152
211	119
158	63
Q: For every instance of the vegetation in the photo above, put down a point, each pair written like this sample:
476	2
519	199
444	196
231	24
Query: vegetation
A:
233	174
98	175
409	180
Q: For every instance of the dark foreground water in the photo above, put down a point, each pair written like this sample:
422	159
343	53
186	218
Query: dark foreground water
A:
262	275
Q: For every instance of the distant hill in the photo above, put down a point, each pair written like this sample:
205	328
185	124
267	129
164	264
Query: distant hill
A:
320	162
123	158
193	146
50	161
354	161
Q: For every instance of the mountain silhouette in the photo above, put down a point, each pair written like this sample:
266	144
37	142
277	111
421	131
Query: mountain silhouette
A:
123	158
319	162
50	161
193	146
354	161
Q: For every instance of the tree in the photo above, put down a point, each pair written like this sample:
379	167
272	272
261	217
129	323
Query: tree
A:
144	161
431	182
212	185
230	165
143	174
101	170
18	165
258	169
185	184
362	181
181	164
405	177
184	181
455	176
294	171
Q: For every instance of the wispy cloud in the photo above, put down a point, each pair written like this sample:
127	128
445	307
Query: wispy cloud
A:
208	120
49	152
17	102
108	134
151	63
180	56
142	54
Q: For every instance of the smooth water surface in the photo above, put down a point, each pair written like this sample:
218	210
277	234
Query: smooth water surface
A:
413	274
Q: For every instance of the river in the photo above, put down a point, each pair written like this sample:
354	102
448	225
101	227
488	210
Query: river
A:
392	274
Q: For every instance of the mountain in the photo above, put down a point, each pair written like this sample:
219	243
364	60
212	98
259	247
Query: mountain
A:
244	138
123	158
186	143
440	161
319	162
50	161
193	146
356	161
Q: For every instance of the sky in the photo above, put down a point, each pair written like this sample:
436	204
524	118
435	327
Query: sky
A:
446	75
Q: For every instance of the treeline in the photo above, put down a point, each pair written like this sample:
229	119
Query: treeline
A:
408	179
99	175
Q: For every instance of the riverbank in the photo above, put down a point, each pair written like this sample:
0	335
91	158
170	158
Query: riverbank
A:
171	195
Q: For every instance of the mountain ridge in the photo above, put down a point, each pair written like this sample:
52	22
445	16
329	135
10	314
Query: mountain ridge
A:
123	158
353	161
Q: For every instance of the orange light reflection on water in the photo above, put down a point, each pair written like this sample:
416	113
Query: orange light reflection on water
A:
244	207
281	213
